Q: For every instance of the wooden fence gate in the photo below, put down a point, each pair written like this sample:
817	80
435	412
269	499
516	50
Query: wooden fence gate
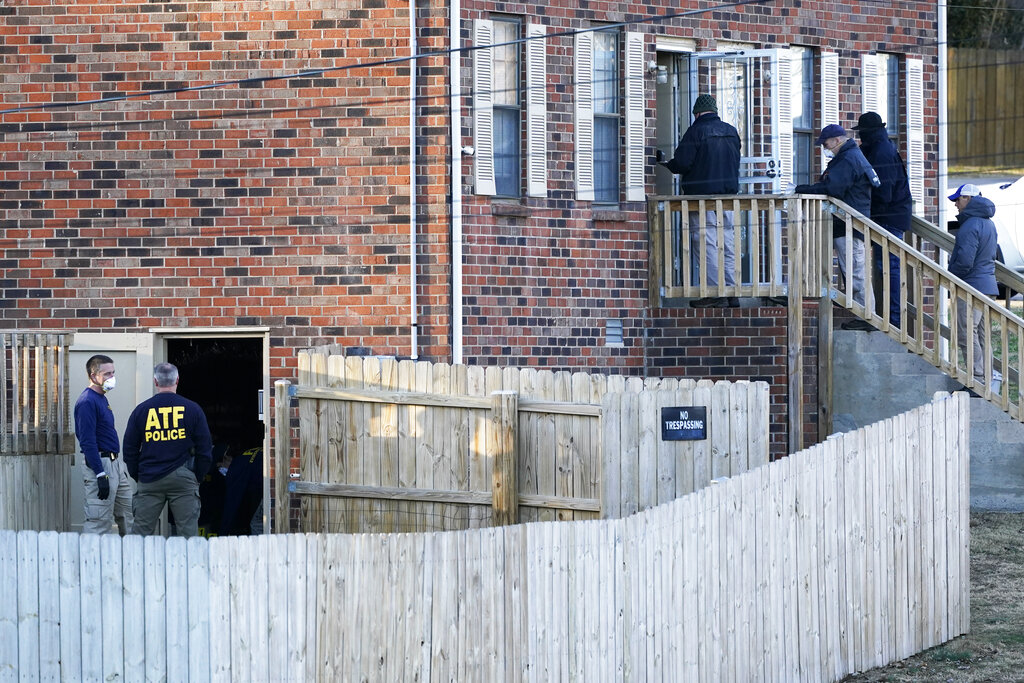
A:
388	446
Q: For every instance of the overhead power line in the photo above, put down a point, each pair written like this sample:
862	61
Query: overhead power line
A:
258	81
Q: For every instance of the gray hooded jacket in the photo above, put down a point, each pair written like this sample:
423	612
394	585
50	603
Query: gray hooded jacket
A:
974	254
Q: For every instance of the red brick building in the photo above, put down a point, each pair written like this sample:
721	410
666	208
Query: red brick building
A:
220	184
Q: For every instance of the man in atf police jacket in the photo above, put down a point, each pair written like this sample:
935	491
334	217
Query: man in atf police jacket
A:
707	161
167	448
891	202
849	178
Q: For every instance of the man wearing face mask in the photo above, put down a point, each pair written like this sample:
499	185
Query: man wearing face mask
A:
108	490
849	178
167	448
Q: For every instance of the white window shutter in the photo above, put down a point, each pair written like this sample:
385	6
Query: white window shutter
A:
536	112
584	75
869	84
783	82
915	131
635	107
829	92
483	108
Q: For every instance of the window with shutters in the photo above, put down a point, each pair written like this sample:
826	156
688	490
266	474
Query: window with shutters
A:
507	110
805	130
609	90
606	117
889	92
503	107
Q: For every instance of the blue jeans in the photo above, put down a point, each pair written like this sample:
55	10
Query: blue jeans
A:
894	279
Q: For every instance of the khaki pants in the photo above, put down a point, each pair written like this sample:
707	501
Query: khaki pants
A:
856	273
100	515
972	331
180	490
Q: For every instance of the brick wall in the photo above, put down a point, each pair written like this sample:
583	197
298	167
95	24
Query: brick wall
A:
282	203
286	203
545	275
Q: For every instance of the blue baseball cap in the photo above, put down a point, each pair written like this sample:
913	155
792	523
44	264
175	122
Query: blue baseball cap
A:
832	130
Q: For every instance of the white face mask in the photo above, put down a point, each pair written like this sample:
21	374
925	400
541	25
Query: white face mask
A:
109	383
828	154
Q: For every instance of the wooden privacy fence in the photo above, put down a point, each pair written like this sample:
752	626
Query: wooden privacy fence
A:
843	557
414	446
986	92
36	443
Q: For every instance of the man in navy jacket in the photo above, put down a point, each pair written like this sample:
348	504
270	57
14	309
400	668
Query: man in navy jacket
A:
849	178
707	161
108	490
167	448
891	203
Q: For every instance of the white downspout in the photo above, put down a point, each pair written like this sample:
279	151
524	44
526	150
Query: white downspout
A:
455	112
943	73
943	115
414	352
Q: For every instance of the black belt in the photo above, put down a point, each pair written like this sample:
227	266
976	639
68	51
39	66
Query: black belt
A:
108	454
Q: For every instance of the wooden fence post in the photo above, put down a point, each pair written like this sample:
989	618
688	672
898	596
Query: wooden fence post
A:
504	483
282	455
795	324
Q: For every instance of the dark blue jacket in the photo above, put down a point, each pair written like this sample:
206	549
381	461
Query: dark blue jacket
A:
94	427
891	203
163	433
974	253
707	159
849	178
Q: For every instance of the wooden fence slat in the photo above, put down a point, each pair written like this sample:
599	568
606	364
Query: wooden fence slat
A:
352	462
648	424
70	608
178	654
442	443
91	604
256	575
477	461
220	605
133	582
629	476
278	596
28	604
314	578
49	606
458	459
199	635
406	444
565	442
423	434
371	443
155	605
547	446
831	563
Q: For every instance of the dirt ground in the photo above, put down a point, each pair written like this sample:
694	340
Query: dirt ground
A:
994	649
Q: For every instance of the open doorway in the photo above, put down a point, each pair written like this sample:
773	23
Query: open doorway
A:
225	375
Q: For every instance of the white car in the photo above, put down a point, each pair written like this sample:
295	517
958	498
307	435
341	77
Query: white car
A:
1009	220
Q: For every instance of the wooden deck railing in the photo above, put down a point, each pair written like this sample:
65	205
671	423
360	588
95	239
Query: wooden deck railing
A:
766	244
34	410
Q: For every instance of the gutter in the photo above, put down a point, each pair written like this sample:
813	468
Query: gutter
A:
455	155
413	225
